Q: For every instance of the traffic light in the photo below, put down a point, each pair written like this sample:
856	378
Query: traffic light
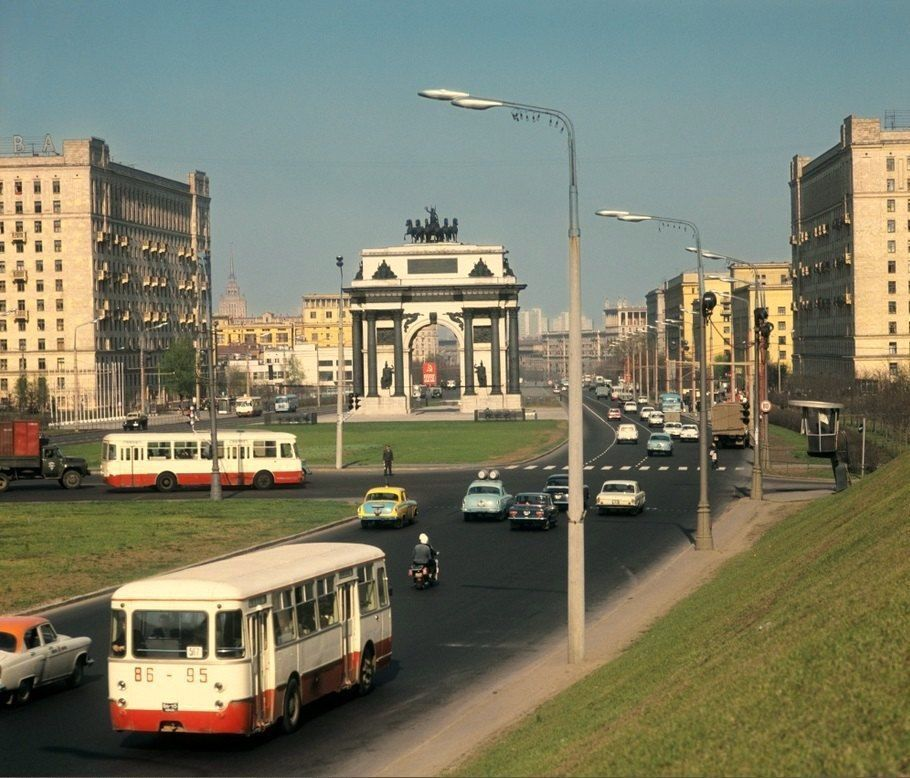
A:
708	301
745	412
761	316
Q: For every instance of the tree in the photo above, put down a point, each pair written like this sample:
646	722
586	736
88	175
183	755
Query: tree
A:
178	367
295	373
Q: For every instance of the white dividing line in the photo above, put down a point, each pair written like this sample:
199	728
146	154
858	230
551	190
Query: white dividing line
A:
664	467
607	467
549	467
530	467
626	467
645	467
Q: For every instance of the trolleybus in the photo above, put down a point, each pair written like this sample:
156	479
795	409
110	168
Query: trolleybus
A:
166	460
286	403
236	645
248	406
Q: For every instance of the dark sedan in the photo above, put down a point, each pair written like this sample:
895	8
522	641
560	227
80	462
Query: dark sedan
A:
558	488
532	510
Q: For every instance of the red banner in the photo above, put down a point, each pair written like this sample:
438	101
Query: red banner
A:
429	373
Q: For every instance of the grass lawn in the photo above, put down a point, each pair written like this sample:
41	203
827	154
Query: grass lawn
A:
792	661
48	554
414	443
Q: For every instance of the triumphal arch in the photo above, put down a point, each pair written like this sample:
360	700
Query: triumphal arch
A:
469	289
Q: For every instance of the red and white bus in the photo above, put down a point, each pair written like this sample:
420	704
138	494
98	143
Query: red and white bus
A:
166	460
237	645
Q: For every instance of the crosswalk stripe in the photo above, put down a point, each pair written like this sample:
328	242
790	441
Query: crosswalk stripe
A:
549	467
664	467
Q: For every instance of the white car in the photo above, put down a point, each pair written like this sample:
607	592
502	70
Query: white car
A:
645	412
688	432
674	428
620	496
32	654
655	419
642	400
627	433
629	406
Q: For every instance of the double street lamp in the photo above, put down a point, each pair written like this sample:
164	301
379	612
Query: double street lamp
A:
704	539
576	590
339	370
143	400
77	405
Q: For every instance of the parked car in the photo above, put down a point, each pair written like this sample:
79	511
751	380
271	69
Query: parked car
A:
655	419
32	654
387	505
558	488
486	498
688	432
532	510
135	420
645	412
627	433
660	443
620	496
435	391
672	428
614	413
629	406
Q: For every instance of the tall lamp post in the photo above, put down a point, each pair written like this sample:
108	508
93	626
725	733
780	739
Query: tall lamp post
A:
143	401
215	489
576	549
704	538
77	406
339	371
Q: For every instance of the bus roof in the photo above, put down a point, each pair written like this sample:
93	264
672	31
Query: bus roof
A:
247	575
204	438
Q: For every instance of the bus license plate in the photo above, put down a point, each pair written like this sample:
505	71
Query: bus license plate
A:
169	707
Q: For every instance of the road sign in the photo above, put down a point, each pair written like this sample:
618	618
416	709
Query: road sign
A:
765	406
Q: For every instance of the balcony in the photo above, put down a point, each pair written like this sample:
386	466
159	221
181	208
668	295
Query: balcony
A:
20	275
20	315
19	236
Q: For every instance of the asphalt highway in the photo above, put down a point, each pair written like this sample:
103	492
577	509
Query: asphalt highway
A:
501	594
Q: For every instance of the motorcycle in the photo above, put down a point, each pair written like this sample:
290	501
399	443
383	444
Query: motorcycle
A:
422	576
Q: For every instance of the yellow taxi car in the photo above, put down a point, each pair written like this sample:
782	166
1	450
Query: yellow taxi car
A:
387	505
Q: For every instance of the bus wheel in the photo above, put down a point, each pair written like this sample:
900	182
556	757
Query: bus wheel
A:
166	482
290	719
367	673
263	480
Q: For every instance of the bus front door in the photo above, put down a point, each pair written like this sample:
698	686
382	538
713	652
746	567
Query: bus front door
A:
262	691
350	632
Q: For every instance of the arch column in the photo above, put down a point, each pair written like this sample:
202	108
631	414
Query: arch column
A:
513	385
357	351
495	361
468	353
371	355
399	355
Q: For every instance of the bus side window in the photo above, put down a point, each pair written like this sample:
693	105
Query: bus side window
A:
366	588
326	591
287	450
229	635
383	587
206	450
306	609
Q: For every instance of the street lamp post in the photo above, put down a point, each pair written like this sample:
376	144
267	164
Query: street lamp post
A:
215	488
576	571
339	371
704	539
77	405
143	400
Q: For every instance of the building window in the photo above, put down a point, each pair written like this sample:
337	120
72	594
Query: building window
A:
37	206
39	285
39	265
58	304
37	187
17	187
22	344
889	164
892	328
58	245
56	206
37	226
892	246
58	265
42	345
892	287
891	225
891	206
60	345
892	347
892	266
892	306
41	325
59	325
42	363
39	246
889	185
55	186
39	305
19	206
56	225
58	285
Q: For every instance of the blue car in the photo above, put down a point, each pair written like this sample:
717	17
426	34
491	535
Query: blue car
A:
660	443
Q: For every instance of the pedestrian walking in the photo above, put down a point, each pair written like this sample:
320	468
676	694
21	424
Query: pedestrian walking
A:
713	456
387	459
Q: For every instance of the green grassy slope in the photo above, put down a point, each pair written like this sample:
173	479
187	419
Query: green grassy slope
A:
795	660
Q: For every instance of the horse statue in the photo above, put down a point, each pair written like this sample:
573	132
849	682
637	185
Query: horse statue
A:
409	229
431	226
454	230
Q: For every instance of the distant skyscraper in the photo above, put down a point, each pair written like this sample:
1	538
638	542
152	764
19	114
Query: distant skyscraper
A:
232	303
560	323
531	323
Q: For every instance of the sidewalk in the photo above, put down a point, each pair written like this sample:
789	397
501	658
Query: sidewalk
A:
444	737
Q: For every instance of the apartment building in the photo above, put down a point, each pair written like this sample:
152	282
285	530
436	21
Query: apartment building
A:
101	265
850	252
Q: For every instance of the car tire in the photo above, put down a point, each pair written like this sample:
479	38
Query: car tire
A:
399	522
75	677
23	694
291	710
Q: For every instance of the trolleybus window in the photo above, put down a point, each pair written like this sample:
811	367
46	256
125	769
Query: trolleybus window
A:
170	634
305	597
159	449
229	635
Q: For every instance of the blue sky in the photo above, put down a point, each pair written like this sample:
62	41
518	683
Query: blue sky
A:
305	115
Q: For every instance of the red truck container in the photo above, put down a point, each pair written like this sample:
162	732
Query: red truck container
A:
20	439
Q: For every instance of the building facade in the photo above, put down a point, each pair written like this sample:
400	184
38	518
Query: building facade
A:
101	266
850	252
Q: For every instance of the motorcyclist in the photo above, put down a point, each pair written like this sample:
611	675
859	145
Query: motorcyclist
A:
425	554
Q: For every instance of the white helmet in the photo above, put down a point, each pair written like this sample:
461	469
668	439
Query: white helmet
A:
422	537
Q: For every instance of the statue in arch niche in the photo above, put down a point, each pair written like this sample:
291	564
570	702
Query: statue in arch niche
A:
481	374
386	381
